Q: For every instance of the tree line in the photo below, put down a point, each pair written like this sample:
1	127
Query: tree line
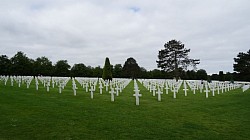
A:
20	64
174	59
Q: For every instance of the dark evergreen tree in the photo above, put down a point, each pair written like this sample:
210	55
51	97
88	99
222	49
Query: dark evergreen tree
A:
242	65
107	72
131	69
174	56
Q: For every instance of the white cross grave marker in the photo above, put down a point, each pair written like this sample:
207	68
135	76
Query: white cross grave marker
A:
206	91
19	83
112	95
185	88
218	89
175	90
194	88
106	85
159	94
100	87
91	92
137	95
37	84
117	90
213	89
166	88
74	88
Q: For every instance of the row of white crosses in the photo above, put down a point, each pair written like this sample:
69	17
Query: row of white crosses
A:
84	82
220	87
137	93
46	81
60	82
158	86
116	85
88	84
74	87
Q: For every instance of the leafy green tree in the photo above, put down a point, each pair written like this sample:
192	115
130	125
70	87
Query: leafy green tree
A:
131	69
117	72
21	64
61	68
143	73
79	70
209	79
175	56
107	72
242	65
97	71
157	74
43	66
89	71
215	77
221	76
191	75
5	65
228	77
201	74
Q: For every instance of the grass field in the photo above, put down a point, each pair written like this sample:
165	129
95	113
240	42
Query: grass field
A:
29	114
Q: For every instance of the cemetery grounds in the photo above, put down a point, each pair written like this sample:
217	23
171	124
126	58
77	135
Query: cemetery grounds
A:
30	113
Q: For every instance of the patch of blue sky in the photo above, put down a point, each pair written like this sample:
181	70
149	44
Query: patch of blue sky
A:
35	7
134	9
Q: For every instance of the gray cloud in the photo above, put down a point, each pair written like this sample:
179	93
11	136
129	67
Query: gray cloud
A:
88	31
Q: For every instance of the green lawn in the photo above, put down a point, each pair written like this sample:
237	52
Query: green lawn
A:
29	114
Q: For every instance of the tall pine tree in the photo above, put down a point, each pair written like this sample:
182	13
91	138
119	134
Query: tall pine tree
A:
174	57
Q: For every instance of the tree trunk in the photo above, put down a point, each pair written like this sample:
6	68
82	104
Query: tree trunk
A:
176	67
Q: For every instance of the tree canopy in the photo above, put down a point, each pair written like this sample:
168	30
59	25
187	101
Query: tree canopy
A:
4	65
107	72
174	57
62	68
201	74
242	65
22	65
43	66
131	69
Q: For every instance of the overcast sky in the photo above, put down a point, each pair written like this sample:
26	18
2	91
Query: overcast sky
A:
87	31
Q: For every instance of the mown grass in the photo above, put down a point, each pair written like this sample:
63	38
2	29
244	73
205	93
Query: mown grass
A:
30	114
